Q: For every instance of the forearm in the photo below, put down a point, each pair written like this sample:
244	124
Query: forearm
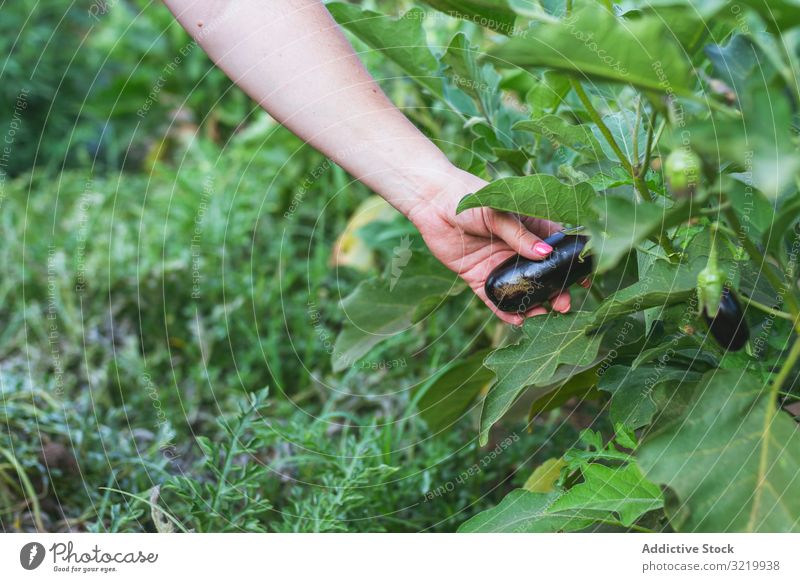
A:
291	58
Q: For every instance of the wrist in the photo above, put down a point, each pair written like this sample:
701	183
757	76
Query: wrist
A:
439	193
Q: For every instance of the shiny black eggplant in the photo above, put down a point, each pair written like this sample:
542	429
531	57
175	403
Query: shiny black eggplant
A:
519	284
729	327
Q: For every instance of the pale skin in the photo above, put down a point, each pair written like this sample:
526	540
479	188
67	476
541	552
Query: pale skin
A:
294	61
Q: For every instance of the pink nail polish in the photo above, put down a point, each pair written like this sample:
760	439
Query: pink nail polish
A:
542	248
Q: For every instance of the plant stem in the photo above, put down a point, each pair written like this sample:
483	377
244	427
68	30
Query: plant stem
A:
788	395
648	152
639	183
772	410
637	124
230	453
151	505
596	293
767	309
31	498
785	370
601	125
766	268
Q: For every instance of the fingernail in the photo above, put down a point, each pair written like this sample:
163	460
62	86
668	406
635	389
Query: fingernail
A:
542	248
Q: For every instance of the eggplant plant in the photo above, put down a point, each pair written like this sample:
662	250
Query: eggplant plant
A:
669	130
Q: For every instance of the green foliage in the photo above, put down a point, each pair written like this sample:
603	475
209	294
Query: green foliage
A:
378	309
526	364
730	455
615	497
38	42
560	132
232	499
494	14
145	311
593	43
539	195
448	396
601	98
400	39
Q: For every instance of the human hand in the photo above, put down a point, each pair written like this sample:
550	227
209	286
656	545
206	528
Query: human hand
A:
475	241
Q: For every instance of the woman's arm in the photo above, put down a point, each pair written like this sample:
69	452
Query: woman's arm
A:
292	58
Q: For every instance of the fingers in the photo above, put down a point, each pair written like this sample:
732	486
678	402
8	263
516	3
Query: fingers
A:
538	310
512	318
561	302
515	234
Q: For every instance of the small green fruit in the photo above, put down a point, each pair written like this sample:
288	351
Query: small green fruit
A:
682	171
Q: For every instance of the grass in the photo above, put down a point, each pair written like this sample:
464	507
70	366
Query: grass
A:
159	367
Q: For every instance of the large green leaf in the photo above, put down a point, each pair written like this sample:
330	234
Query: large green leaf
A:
778	14
580	384
447	398
401	40
675	344
547	93
735	62
559	132
664	284
621	225
525	512
705	9
480	81
494	14
621	490
751	206
596	44
612	178
540	195
774	238
379	309
549	342
623	128
635	392
732	457
691	22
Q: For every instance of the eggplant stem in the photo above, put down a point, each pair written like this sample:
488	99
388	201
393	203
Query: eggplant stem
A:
596	293
767	309
786	368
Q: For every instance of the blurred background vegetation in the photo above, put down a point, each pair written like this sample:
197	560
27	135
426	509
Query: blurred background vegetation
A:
168	301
